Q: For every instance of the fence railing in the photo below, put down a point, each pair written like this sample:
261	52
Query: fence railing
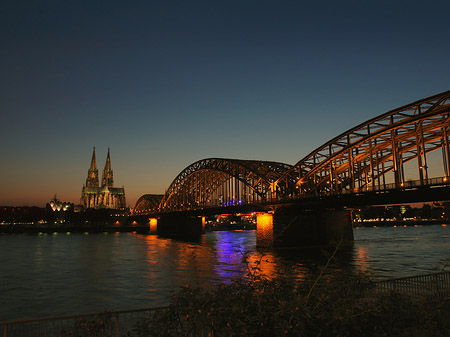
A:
107	324
429	287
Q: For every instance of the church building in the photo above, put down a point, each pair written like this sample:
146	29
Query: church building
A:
105	195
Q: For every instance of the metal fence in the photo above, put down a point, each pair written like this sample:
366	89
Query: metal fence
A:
429	287
114	323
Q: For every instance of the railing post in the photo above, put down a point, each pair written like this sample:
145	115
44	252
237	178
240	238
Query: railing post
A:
5	329
117	324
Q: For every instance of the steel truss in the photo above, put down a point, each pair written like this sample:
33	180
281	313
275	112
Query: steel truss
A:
369	155
223	182
148	203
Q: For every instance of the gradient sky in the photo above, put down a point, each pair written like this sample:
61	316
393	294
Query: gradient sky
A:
167	83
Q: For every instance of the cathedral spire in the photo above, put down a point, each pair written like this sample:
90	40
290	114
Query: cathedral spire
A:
108	162
92	178
93	161
107	178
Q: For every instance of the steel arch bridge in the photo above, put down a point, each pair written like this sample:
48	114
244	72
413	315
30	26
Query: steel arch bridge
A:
148	203
373	155
388	151
216	182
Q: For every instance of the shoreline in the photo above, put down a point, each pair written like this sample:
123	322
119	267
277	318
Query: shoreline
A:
401	223
99	227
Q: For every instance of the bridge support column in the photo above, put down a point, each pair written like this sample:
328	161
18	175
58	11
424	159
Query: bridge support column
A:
181	226
153	226
264	230
294	228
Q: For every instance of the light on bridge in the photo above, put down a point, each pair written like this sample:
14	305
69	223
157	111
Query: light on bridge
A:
153	225
264	229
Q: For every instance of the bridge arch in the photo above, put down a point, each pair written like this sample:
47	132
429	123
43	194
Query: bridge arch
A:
222	182
372	155
148	203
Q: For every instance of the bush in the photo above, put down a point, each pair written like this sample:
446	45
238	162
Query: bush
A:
336	303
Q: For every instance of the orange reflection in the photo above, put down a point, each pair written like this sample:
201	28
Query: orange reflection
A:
261	265
363	258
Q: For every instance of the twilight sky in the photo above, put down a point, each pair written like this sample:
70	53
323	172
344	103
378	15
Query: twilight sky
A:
166	83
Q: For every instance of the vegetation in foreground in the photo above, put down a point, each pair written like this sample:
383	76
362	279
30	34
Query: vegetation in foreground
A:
333	303
337	305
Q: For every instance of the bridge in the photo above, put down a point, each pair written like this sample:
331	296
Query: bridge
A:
400	156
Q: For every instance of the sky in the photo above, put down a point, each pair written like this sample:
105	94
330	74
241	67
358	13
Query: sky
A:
166	83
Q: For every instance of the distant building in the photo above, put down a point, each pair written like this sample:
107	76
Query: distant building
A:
105	196
57	205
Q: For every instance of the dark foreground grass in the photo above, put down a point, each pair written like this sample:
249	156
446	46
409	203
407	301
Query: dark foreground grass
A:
336	303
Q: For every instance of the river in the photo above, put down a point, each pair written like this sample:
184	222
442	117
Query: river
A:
67	273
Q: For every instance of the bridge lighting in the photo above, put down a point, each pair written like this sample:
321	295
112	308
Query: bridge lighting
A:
264	228
153	225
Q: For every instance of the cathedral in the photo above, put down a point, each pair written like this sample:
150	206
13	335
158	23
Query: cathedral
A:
105	196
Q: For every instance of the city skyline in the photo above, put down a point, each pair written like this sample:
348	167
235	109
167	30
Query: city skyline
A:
165	84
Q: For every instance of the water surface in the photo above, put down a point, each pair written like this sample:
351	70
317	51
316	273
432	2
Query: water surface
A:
61	274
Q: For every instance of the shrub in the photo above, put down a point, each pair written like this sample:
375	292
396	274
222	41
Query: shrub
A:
337	303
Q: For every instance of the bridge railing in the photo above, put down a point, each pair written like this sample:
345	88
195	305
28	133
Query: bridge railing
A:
429	287
409	184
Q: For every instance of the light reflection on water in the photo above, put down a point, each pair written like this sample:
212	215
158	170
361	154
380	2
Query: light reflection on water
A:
51	275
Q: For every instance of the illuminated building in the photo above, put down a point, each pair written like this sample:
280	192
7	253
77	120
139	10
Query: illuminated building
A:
105	195
57	205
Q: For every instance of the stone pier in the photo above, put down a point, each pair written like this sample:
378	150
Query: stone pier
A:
289	227
179	226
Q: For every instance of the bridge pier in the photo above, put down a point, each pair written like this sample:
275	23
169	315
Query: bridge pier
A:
180	226
153	226
289	227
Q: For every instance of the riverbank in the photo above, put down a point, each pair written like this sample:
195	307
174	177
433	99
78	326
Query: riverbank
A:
99	227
